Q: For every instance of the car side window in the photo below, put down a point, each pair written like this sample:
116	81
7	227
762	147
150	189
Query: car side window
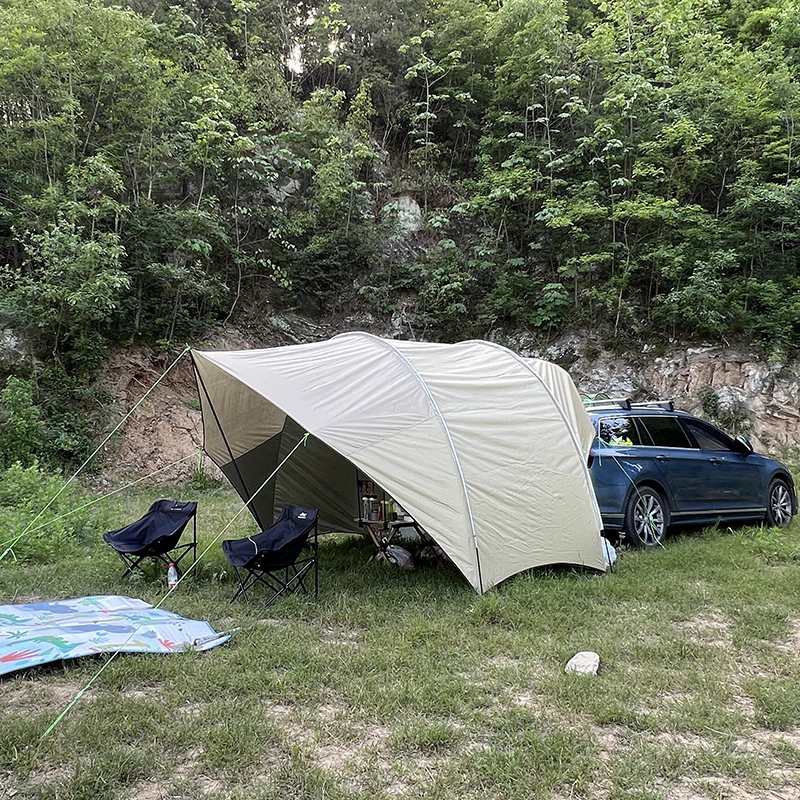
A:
618	432
706	439
665	431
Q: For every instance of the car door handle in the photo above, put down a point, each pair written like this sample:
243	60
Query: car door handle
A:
661	458
715	460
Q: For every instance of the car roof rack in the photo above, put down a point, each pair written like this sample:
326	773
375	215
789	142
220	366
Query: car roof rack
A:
667	405
625	404
609	402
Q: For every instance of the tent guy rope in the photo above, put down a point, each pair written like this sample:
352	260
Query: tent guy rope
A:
230	522
99	447
119	489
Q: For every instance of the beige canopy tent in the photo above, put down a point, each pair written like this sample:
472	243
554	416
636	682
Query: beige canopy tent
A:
485	449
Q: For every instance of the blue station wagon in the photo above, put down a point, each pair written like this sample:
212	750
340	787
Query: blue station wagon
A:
653	467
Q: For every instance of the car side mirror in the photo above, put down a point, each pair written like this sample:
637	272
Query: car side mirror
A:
743	445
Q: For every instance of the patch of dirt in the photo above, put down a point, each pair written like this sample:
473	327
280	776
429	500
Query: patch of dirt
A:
712	629
336	757
610	738
211	787
503	662
529	700
714	787
744	704
340	635
50	776
688	741
43	695
146	790
791	644
273	623
356	753
187	763
779	737
144	693
191	710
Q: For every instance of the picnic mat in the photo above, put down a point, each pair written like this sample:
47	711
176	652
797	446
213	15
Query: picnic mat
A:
35	633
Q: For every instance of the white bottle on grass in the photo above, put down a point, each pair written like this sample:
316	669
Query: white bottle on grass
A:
172	576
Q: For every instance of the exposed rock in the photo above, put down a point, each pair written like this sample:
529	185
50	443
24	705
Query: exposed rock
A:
763	399
12	349
406	212
281	193
586	662
768	396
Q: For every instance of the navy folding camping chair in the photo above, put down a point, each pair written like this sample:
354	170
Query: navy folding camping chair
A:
156	535
280	557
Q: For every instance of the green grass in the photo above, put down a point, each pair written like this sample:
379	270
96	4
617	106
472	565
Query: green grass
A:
410	685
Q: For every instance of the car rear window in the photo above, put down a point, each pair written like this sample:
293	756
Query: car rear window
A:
664	432
706	439
619	432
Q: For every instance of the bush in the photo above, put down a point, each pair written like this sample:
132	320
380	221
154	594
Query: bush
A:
24	492
21	426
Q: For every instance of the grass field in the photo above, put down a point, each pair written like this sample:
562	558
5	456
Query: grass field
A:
411	685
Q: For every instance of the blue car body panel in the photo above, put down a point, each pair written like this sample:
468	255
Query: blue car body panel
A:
706	481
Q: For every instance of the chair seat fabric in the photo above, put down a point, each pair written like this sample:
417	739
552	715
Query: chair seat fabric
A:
157	531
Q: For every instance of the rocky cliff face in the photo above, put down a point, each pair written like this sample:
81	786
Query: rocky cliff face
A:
732	387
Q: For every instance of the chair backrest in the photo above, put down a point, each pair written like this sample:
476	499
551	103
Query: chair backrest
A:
292	524
158	530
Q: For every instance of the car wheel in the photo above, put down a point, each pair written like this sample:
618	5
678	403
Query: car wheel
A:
779	504
646	518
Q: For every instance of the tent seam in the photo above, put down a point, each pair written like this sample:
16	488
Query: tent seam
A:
560	410
440	415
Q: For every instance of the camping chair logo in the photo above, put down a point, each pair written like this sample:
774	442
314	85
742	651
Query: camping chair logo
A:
302	515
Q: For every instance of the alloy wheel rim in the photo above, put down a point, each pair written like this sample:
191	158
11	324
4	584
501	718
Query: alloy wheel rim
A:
781	504
648	519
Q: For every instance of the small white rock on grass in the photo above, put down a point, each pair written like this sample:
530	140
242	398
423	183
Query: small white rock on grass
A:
584	663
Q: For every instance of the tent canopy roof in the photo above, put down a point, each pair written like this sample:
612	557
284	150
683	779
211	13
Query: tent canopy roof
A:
486	449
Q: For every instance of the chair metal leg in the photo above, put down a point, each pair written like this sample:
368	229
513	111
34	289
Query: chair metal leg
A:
316	562
132	563
242	590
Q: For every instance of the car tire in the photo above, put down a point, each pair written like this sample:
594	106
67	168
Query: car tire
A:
646	518
780	508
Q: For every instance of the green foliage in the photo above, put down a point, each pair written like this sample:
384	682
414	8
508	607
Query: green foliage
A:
24	493
630	165
48	419
445	287
20	424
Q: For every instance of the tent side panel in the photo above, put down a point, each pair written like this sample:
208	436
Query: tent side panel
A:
316	476
567	394
236	418
249	471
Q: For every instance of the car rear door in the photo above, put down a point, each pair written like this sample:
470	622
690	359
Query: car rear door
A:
681	464
733	483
